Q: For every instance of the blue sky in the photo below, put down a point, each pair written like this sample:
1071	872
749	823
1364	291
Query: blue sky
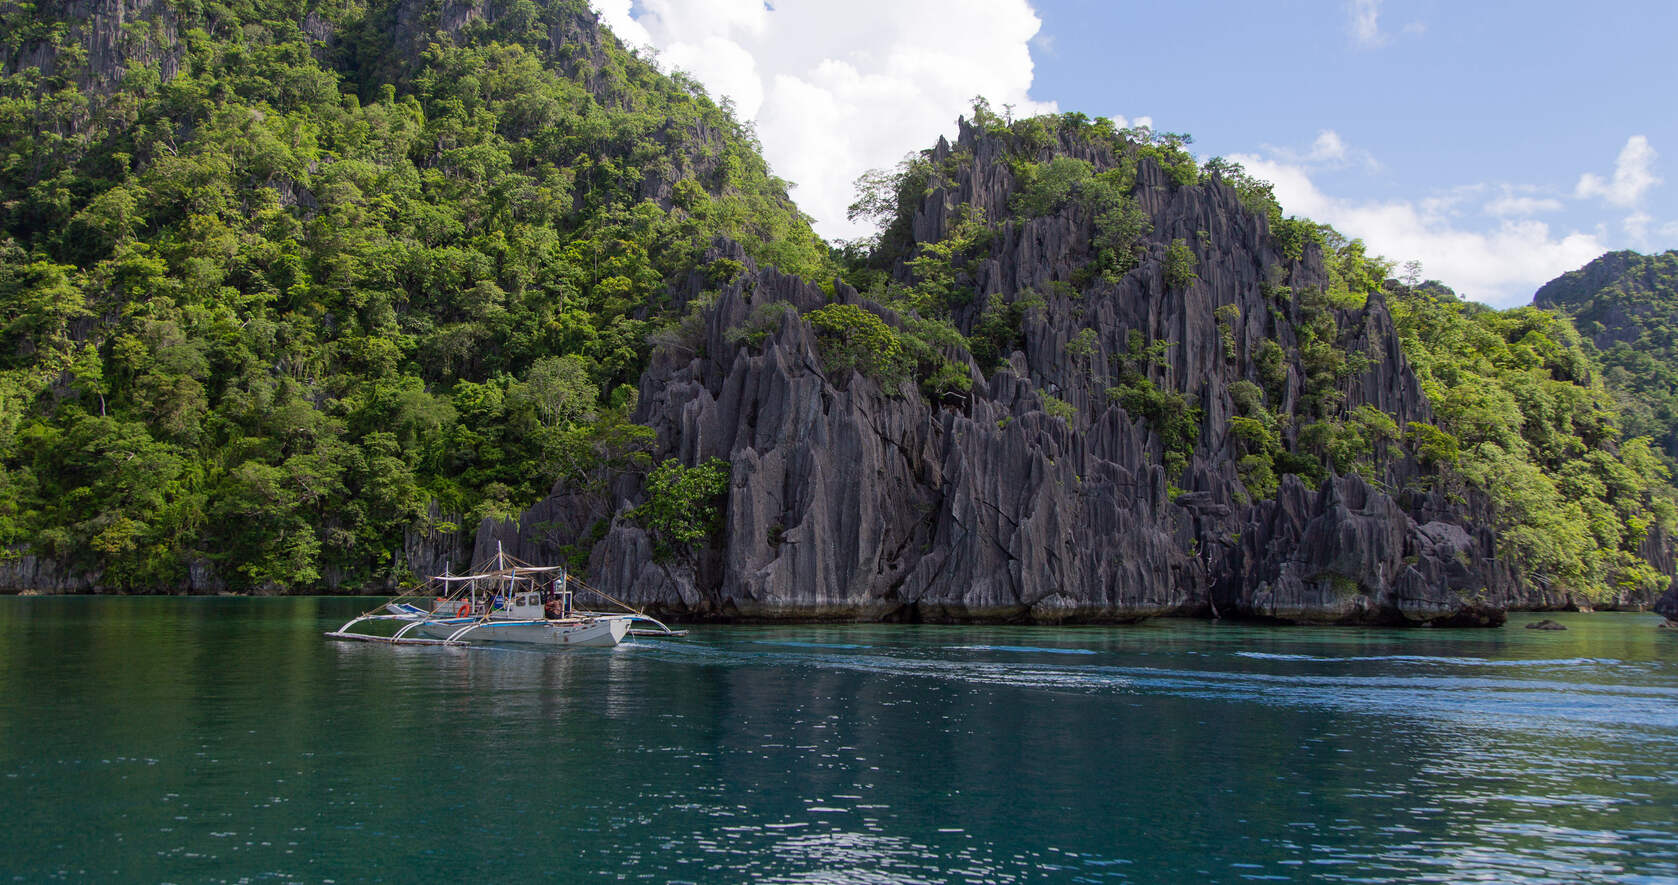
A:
1499	143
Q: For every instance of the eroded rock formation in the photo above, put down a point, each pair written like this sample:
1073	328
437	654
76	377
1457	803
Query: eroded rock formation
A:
849	501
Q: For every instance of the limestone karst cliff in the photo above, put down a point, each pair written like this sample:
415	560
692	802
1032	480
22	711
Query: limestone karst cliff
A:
852	500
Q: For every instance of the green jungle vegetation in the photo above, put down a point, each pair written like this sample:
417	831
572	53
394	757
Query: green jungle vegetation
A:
1522	414
305	295
273	310
1626	306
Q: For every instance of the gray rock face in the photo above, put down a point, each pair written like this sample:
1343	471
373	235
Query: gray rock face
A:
1668	604
437	550
37	574
849	501
114	34
1349	554
27	572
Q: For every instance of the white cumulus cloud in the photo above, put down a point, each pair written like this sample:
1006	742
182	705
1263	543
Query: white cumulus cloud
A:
836	89
1329	147
1634	175
617	16
1502	265
1365	18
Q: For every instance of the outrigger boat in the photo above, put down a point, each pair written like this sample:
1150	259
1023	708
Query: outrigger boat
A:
506	601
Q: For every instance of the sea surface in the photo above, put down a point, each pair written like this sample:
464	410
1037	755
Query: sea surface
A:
224	739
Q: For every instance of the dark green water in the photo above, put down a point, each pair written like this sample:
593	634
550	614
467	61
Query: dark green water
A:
225	739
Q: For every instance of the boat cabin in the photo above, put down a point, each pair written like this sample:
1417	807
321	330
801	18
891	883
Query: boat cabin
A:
505	596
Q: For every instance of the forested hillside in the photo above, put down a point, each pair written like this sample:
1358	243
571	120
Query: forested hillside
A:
280	281
1626	305
1523	415
297	295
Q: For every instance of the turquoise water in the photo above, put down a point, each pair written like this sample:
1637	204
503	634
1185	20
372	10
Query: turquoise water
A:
162	739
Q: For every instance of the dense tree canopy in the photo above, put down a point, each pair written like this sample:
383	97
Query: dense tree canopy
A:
263	313
1626	305
1522	415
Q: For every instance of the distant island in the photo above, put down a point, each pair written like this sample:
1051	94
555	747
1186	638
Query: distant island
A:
316	301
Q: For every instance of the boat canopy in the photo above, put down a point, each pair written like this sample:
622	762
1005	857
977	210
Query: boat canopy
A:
503	573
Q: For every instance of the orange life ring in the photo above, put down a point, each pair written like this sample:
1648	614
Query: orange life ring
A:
464	610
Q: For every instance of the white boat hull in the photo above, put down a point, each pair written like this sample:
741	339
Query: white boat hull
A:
587	633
